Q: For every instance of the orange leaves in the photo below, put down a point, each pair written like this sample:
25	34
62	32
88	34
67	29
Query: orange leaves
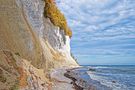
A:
56	17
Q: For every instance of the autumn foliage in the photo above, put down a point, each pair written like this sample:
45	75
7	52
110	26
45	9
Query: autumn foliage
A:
56	17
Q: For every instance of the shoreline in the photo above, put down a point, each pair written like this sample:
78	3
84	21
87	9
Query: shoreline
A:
82	80
78	82
74	79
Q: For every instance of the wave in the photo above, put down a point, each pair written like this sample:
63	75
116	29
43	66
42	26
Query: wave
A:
115	77
97	67
114	85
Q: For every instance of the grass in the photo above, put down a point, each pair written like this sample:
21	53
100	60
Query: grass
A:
56	17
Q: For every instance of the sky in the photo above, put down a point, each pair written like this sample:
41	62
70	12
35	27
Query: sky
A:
103	30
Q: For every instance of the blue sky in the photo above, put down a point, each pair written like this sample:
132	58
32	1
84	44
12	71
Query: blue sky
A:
103	30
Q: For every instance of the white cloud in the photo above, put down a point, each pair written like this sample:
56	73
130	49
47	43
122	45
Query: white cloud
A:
99	21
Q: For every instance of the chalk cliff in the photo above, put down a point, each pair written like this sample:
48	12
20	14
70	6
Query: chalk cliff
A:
31	44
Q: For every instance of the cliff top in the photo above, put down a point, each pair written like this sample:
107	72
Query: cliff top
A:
56	17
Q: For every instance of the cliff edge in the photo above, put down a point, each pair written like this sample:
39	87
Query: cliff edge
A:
34	39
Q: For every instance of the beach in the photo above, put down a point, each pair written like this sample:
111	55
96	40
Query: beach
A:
105	77
74	79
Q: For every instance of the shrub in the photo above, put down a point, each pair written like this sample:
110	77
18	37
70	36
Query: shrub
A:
17	53
56	17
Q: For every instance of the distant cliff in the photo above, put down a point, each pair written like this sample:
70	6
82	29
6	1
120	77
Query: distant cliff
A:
34	39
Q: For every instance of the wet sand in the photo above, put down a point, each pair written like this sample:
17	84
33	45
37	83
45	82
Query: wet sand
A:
74	79
82	81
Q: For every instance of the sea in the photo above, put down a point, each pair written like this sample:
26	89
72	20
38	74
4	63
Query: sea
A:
116	77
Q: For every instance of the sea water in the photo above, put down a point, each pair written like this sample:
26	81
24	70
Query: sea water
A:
116	77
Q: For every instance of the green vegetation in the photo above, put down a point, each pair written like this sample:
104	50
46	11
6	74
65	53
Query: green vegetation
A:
17	53
15	86
74	58
56	17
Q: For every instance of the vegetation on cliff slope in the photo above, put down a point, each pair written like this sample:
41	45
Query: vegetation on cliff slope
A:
56	17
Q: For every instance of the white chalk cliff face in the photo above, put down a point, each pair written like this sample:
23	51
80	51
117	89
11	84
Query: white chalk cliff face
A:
33	10
27	34
43	27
